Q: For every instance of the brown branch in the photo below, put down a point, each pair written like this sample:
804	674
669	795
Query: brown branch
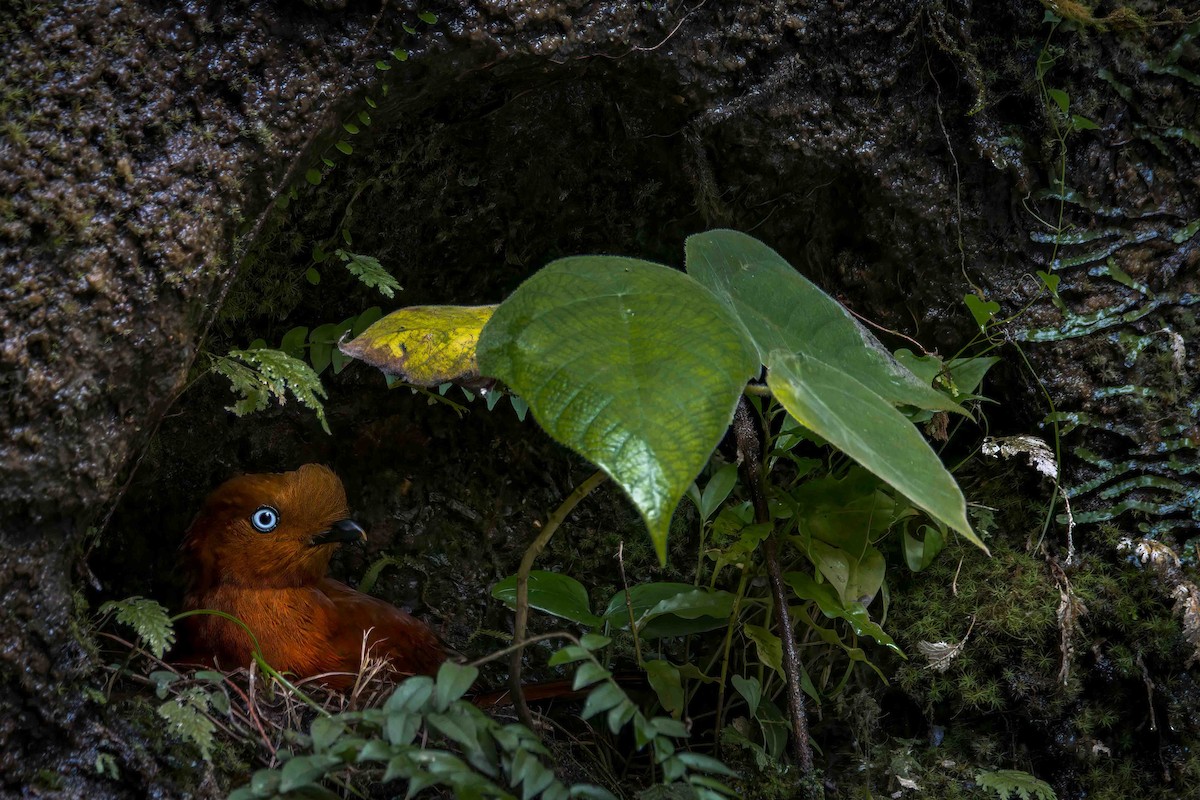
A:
749	445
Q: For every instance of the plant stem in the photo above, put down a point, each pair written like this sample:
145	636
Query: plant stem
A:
749	444
726	650
522	610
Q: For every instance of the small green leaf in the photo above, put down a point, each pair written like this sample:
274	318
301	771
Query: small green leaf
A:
967	373
344	146
400	728
919	553
1083	123
453	681
832	607
1050	280
456	727
594	641
382	66
428	17
560	595
602	698
324	732
569	654
312	276
302	771
703	763
365	320
400	55
162	680
410	696
665	681
313	176
260	374
264	782
981	310
718	488
751	691
589	672
293	342
768	646
670	609
368	269
1060	99
1186	232
350	128
186	721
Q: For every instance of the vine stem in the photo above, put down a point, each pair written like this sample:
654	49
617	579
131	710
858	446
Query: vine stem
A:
749	445
259	658
522	610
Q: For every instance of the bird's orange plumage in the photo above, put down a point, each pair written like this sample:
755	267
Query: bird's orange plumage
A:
259	550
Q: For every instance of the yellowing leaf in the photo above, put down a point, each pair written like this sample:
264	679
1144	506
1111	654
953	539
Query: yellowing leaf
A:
424	345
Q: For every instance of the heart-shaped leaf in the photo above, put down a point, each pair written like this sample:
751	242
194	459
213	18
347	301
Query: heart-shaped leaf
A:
633	365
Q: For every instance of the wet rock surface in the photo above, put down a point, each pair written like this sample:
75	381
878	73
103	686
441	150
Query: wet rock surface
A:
891	151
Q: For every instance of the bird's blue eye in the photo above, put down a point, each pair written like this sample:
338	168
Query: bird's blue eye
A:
265	519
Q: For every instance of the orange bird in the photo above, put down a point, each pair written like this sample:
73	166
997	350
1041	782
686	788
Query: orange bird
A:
259	550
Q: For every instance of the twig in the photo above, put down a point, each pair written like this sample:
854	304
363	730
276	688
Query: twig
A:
522	610
637	640
541	637
749	444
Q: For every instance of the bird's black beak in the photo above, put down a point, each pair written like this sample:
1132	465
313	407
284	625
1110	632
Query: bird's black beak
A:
344	530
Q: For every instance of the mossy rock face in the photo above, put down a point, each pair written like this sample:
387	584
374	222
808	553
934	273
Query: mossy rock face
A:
1117	718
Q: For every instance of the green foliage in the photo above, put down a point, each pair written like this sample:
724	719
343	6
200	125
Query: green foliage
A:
368	270
148	618
864	426
260	374
428	736
1013	783
187	719
638	368
656	733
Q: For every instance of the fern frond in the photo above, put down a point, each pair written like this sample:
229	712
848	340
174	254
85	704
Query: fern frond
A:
262	374
368	270
148	618
186	719
1009	782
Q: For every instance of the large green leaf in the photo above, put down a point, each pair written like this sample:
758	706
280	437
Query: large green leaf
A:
670	609
633	365
560	595
783	310
870	430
